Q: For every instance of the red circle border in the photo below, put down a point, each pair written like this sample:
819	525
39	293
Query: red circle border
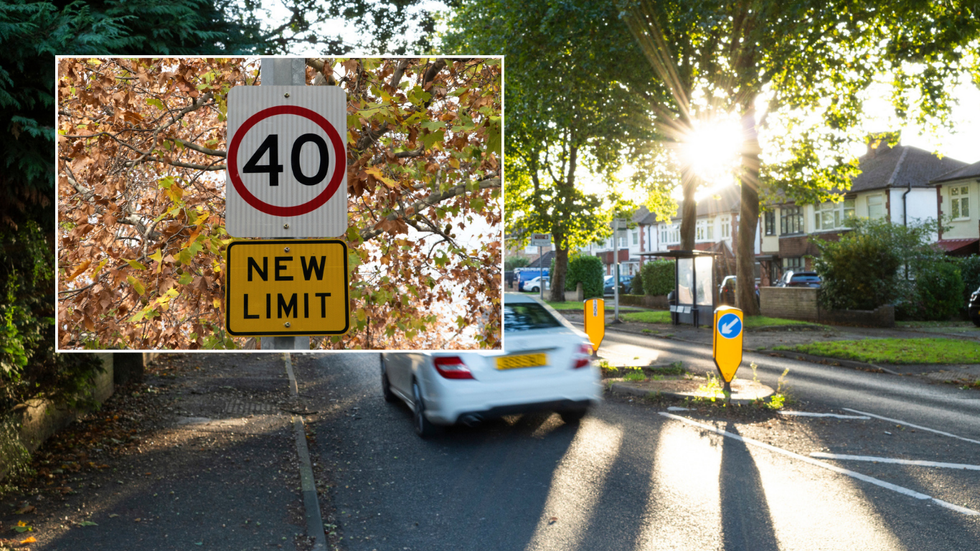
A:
340	151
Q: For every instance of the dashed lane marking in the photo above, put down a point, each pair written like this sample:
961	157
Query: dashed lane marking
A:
828	466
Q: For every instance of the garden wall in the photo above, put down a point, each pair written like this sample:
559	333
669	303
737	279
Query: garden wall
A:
800	303
26	429
645	301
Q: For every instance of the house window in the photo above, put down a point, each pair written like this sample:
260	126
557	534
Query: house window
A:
726	227
795	264
790	220
704	231
622	242
636	237
770	223
876	206
670	234
960	199
830	215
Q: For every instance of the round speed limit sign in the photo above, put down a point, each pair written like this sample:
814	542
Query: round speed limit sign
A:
287	162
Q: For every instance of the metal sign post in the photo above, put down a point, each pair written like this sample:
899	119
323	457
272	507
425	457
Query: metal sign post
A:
541	240
287	179
726	344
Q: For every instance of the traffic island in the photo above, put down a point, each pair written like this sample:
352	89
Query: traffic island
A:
689	387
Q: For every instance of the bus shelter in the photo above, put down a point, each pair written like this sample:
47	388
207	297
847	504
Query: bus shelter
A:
694	285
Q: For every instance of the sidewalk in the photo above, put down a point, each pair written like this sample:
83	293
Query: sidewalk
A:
200	456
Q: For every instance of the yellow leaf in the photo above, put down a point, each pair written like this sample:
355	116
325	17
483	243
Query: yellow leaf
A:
31	539
217	303
79	270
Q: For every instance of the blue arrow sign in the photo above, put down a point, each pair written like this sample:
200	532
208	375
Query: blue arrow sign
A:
729	326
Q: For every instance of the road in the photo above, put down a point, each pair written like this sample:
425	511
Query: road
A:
630	477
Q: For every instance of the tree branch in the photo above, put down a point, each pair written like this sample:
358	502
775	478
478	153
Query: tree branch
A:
431	200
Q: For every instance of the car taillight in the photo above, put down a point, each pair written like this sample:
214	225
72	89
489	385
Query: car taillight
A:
583	357
452	367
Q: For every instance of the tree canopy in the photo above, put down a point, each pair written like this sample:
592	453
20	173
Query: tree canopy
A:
795	73
141	209
568	109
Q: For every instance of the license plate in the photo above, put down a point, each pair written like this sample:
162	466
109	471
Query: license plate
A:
522	360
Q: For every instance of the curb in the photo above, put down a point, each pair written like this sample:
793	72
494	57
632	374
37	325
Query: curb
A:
311	504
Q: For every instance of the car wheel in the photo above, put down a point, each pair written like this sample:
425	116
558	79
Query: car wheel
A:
572	416
534	289
386	385
423	427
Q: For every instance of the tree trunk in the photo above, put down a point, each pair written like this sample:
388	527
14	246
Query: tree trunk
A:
748	219
558	232
689	210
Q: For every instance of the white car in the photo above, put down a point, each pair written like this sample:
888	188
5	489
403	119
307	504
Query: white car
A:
534	285
546	365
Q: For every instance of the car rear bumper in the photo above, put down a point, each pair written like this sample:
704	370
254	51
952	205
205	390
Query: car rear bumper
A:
447	406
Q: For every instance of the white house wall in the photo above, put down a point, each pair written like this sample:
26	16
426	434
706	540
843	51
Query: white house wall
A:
961	229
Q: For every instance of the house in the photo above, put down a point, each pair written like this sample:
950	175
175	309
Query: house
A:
715	230
958	200
894	184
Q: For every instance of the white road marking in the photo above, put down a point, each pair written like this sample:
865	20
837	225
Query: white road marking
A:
913	426
829	467
834	415
822	455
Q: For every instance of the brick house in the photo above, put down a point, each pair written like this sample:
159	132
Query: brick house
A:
958	203
894	184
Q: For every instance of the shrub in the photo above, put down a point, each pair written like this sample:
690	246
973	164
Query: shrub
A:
636	285
858	272
658	277
587	270
970	271
515	262
939	290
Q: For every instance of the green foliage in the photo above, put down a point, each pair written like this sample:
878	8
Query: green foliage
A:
32	32
515	262
970	271
939	291
636	285
658	277
635	375
28	365
858	272
587	270
568	109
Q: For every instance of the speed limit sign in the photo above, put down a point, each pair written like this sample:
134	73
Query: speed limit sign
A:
287	162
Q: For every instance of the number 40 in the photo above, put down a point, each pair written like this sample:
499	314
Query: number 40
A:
273	168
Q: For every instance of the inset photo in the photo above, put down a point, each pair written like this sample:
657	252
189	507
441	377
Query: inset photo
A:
279	203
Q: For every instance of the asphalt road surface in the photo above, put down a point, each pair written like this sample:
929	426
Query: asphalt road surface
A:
634	476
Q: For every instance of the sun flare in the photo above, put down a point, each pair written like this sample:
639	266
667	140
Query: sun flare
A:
713	150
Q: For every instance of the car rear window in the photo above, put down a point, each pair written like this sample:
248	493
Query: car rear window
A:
526	316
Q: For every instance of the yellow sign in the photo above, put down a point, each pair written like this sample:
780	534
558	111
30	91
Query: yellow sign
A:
287	288
727	341
595	321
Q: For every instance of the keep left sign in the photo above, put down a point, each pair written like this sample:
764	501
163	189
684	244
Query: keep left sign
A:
287	162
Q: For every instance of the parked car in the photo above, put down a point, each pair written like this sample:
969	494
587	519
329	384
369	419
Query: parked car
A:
726	291
973	307
625	281
534	285
547	365
799	279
